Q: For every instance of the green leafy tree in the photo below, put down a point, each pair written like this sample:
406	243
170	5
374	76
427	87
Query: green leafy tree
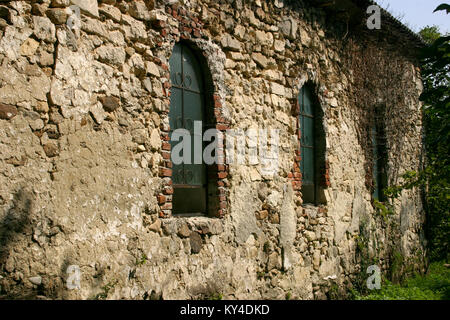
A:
435	60
430	34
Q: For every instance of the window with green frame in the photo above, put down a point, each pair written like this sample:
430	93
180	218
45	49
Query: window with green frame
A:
187	105
308	145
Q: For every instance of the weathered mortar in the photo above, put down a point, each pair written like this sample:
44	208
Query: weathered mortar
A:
84	160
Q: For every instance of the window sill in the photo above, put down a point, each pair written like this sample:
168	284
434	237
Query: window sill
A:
313	206
201	224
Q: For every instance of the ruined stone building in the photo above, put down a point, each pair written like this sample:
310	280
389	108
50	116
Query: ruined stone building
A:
92	205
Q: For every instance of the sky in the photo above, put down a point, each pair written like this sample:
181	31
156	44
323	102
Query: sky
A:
417	14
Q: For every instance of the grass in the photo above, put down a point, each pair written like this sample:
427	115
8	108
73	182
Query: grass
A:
434	285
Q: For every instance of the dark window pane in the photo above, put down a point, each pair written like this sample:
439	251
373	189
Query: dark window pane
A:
308	193
178	174
195	174
308	132
302	130
175	112
175	66
376	169
191	70
300	100
308	165
189	200
307	102
193	109
175	121
376	193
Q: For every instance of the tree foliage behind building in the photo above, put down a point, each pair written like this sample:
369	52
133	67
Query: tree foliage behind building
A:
436	98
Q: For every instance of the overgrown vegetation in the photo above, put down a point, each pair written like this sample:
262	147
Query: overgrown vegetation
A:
433	180
383	209
434	285
362	253
436	177
430	34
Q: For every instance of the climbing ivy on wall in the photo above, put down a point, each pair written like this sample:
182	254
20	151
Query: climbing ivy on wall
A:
434	179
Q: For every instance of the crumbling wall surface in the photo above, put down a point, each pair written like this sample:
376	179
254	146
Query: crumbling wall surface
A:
83	116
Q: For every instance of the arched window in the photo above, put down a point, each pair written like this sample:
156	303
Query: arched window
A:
187	106
307	151
312	147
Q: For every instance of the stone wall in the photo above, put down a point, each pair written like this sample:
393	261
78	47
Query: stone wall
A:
85	159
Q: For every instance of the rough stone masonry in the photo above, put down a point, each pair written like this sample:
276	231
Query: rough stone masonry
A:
85	175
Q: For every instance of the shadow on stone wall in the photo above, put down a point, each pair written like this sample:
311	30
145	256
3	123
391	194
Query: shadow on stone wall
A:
14	223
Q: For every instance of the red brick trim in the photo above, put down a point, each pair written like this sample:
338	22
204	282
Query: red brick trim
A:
295	175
